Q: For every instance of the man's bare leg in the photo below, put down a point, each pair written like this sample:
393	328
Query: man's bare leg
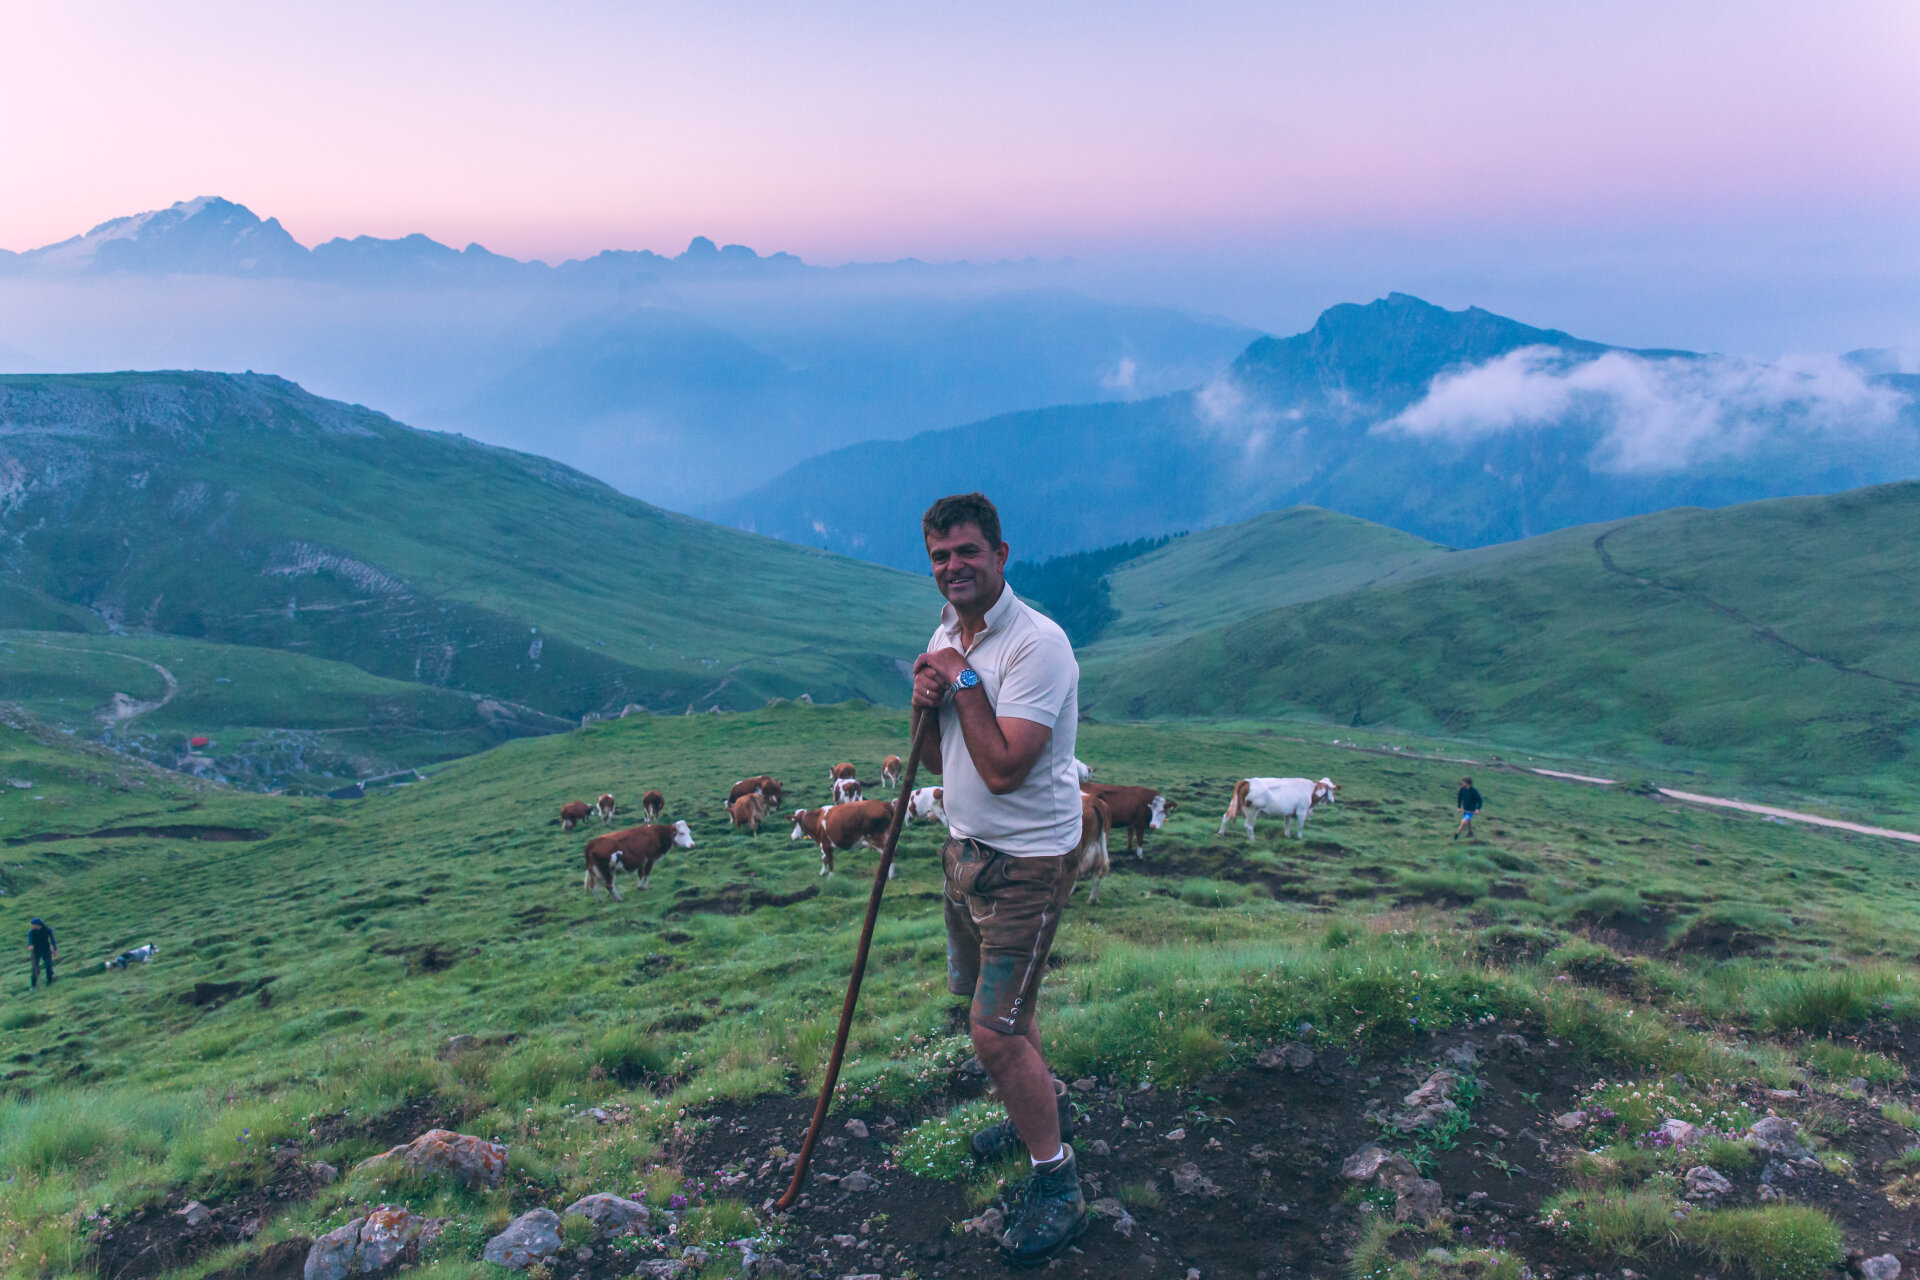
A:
1019	1072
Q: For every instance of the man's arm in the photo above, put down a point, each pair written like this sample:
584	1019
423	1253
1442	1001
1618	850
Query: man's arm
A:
1003	748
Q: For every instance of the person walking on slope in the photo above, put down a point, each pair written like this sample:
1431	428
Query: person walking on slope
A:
1003	680
41	942
1469	803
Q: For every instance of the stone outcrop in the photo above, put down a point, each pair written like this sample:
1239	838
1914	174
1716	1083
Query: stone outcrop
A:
473	1161
532	1237
370	1244
611	1215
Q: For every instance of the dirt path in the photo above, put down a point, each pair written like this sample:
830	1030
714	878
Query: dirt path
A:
125	707
1791	815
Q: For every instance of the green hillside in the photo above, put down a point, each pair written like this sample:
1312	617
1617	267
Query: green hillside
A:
274	718
1218	576
313	967
1780	639
239	509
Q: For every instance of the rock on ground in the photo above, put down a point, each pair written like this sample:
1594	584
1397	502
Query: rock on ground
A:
474	1161
1778	1135
1415	1199
1109	1207
1293	1055
1704	1182
1428	1105
1884	1267
613	1215
368	1244
1370	1161
532	1237
1187	1179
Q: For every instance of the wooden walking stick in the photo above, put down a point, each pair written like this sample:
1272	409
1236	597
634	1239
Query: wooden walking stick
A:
922	730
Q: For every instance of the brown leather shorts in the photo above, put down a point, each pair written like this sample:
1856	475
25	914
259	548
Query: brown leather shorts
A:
1002	913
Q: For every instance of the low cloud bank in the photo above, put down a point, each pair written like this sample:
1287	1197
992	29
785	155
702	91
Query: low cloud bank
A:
1657	415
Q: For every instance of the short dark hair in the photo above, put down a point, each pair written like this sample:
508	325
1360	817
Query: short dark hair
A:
962	508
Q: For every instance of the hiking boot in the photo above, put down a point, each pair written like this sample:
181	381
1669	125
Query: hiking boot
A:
1051	1214
1000	1140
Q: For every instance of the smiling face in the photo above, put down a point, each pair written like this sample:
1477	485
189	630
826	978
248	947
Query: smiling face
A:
969	570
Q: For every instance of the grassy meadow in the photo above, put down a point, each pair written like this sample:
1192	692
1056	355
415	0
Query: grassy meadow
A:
309	980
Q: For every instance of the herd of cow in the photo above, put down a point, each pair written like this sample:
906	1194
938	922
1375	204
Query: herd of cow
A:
850	821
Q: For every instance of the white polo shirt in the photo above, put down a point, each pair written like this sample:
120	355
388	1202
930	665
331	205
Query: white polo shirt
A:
1026	666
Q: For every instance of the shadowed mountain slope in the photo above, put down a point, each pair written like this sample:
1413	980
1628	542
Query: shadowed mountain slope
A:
239	509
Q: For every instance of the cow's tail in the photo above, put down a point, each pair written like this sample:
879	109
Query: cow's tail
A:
1238	805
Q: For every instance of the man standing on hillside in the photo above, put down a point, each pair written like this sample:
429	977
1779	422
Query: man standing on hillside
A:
1003	680
1469	803
41	942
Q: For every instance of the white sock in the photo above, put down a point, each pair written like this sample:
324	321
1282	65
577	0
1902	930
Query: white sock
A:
1061	1154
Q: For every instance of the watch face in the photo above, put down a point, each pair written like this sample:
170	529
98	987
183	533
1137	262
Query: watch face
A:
968	679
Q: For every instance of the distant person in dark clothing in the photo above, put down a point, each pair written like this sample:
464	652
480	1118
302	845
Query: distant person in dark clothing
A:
40	939
1469	805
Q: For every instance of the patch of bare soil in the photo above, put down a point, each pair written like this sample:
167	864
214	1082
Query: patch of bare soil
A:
171	1233
736	899
1268	1200
187	832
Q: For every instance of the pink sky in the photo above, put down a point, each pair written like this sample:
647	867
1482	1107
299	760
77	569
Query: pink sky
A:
867	131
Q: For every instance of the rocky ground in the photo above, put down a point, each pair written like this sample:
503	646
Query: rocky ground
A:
1272	1171
1243	1176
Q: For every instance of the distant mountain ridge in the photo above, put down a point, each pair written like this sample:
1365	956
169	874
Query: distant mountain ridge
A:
682	379
1462	427
213	236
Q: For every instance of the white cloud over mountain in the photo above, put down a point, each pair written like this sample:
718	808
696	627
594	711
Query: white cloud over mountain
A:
1657	414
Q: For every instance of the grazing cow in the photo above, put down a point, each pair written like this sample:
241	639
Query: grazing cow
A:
846	791
573	813
844	826
746	812
767	785
651	804
927	804
1090	856
1137	809
890	771
636	849
1080	767
604	808
1289	799
841	770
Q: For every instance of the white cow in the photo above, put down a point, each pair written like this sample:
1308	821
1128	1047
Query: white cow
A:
1289	799
927	804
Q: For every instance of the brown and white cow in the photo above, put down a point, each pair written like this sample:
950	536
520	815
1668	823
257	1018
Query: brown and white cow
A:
603	808
1137	809
841	770
747	812
573	813
766	784
636	849
927	804
844	826
890	771
651	804
1090	856
847	791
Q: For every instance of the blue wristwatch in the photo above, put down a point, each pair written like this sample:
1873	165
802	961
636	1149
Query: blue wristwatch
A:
967	679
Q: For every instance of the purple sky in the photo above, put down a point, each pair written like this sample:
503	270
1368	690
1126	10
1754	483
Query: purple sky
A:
1224	155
